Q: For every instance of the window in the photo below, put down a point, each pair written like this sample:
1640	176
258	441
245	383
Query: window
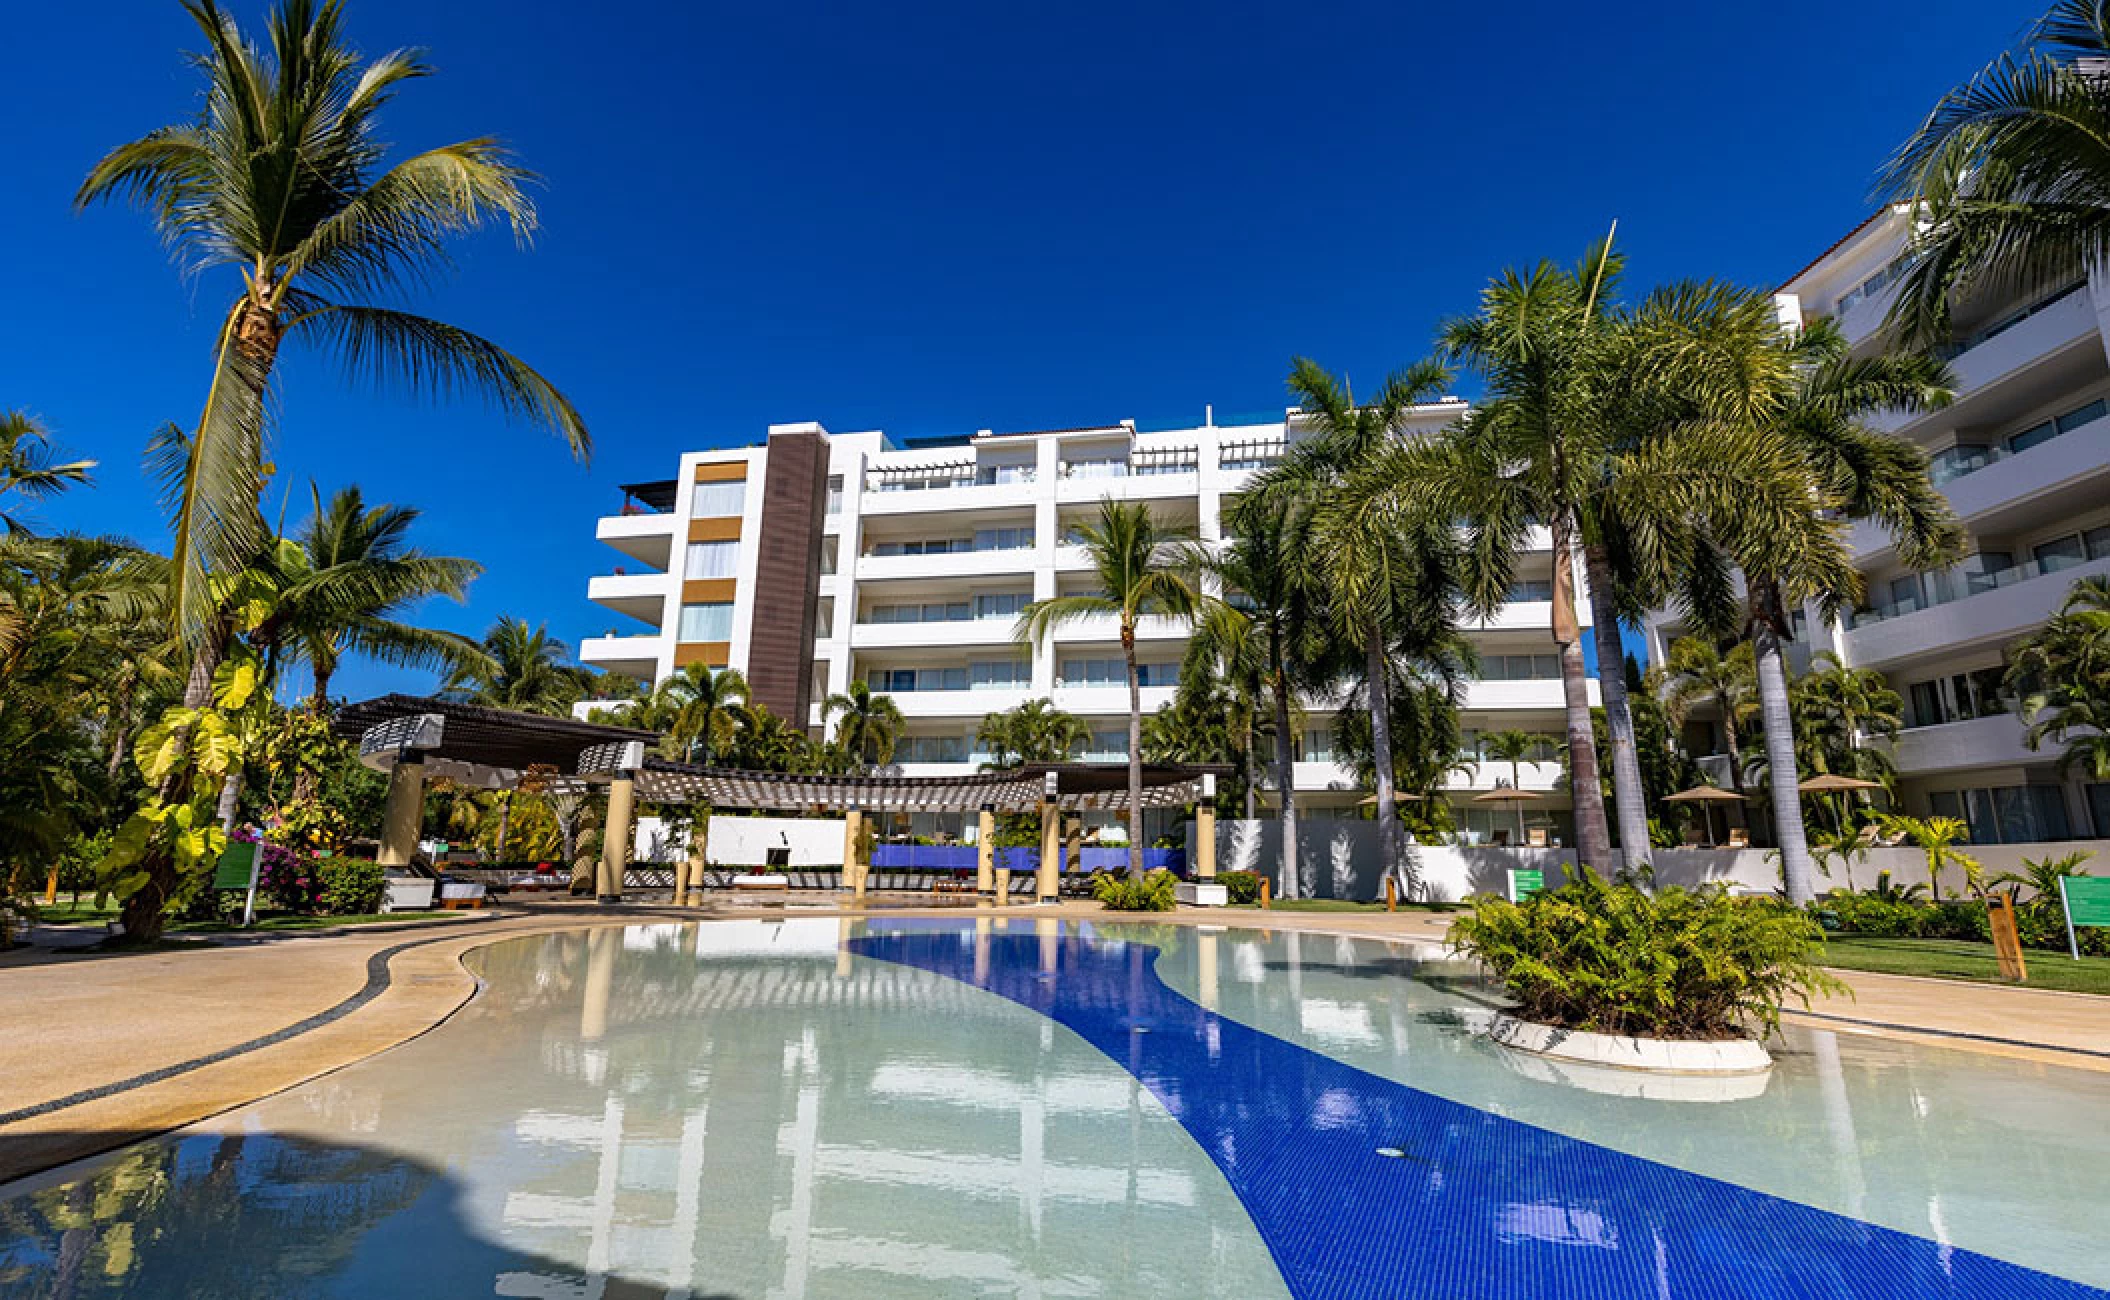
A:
712	560
2081	415
995	674
1001	673
1005	604
1531	589
2059	553
1003	539
990	475
1519	668
2097	541
1958	697
1109	746
717	500
1317	745
1957	461
2033	435
2015	814
835	494
1114	672
931	749
707	622
1099	467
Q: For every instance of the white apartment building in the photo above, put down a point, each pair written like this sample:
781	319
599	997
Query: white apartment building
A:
2024	456
812	559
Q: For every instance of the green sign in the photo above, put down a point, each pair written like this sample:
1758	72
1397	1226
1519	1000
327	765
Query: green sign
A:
237	866
2087	899
1524	882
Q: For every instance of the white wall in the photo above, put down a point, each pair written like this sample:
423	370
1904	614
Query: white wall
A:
746	841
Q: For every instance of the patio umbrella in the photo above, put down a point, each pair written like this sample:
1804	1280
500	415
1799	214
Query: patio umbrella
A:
1510	794
1705	794
1833	783
1398	796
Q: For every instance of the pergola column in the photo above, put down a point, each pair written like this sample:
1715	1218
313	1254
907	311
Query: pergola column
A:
1048	881
985	853
615	839
688	877
1205	830
853	869
404	812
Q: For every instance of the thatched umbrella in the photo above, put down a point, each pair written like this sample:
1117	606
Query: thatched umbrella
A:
1705	795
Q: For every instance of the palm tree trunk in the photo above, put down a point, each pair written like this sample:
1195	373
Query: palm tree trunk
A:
1286	784
1135	752
1796	870
230	797
505	822
1736	756
1629	799
1593	840
1380	699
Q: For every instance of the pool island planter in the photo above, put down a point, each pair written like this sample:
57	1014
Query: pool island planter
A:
1726	1056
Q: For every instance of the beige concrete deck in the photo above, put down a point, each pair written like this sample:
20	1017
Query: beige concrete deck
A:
97	1051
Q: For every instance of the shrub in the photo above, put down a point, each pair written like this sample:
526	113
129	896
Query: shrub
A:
351	886
1118	893
1240	886
1615	959
1878	918
1956	918
286	881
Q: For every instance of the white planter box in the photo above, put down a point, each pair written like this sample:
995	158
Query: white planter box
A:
760	882
407	894
1658	1055
1196	893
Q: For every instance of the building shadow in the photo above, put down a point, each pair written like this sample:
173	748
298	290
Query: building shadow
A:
236	1216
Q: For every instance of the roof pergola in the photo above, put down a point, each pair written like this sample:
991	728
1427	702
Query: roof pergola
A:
493	748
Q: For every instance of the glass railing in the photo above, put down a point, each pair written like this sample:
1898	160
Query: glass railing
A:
1972	584
1952	350
1944	469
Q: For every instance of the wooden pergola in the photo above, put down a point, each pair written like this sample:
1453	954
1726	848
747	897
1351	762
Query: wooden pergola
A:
413	737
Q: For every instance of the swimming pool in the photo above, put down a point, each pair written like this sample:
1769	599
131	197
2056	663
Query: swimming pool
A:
1037	1108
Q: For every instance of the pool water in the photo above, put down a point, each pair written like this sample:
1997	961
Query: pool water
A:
1035	1108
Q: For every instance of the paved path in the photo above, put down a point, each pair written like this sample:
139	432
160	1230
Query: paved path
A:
99	1050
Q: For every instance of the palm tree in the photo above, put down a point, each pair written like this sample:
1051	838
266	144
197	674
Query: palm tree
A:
349	576
1938	837
1390	578
1791	554
1841	707
1512	747
29	466
525	670
2041	876
869	727
2059	675
1696	670
1272	618
2008	175
1145	569
1033	732
281	177
705	705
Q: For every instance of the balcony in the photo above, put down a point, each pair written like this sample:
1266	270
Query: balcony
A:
952	564
2045	332
1102	701
1485	774
646	538
1529	693
1106	628
949	632
633	656
970	703
1994	741
642	596
1994	607
1316	775
2042	480
981	491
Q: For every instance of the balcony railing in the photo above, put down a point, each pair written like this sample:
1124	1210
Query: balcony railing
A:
1956	348
1958	462
1973	584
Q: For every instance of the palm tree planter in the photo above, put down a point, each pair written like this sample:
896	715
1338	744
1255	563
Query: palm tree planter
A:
1145	569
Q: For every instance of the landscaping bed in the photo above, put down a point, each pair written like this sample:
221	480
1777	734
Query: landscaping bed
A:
1962	959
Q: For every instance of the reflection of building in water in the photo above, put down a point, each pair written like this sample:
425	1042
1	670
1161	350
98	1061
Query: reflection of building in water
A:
762	1127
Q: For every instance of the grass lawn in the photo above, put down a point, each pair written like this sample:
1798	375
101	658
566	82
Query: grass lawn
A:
1962	959
1344	905
87	913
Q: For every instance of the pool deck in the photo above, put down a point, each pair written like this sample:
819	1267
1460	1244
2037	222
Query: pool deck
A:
99	1050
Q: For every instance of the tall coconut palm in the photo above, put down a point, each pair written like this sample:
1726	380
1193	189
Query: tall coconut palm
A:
349	578
1696	670
524	669
1791	555
30	467
1386	577
281	178
870	726
705	706
1033	732
1937	837
2008	174
2059	677
1272	616
1145	569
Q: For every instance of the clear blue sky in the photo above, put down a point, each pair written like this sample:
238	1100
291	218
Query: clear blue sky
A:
936	218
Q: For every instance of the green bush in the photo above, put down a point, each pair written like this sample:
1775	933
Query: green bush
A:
1118	893
1878	918
1616	959
1956	918
351	886
1240	886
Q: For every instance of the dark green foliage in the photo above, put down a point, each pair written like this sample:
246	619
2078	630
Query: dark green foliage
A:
1150	892
351	886
1617	959
1241	886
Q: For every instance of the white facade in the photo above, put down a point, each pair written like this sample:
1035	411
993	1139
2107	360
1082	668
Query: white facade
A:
928	552
2024	456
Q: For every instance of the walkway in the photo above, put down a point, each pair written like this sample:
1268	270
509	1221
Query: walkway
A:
98	1051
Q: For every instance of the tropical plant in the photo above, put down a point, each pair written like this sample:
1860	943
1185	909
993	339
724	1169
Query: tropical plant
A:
280	176
1696	670
1152	892
1838	708
1613	958
1033	732
870	726
2009	187
1240	887
764	742
1937	837
523	669
1390	574
1891	892
2059	678
30	467
2041	876
1145	569
697	708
